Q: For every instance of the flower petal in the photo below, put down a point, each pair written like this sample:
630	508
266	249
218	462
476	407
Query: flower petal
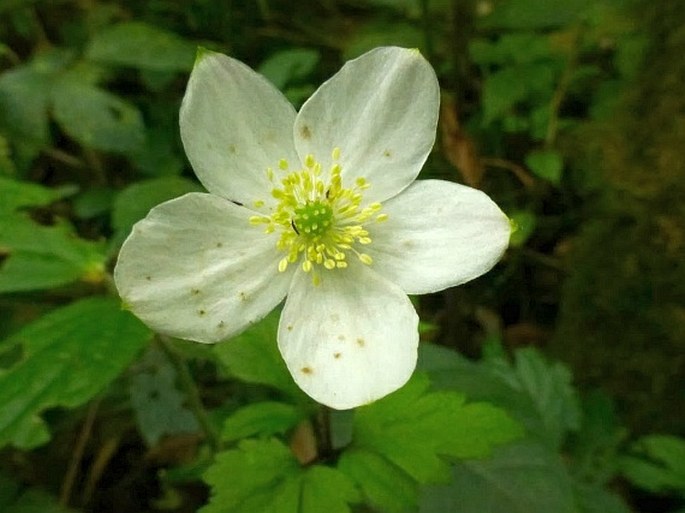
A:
234	125
438	234
350	340
381	110
194	268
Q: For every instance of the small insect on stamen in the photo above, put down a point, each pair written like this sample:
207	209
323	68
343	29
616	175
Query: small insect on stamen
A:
292	223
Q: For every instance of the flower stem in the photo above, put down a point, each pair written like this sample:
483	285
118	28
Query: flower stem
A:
189	386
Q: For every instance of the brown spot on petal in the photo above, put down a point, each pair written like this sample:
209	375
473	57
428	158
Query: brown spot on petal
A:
361	342
202	312
387	153
148	278
305	132
194	292
221	324
289	327
219	244
341	337
232	149
337	355
307	370
243	296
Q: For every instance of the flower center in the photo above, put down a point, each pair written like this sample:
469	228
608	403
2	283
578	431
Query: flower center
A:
320	221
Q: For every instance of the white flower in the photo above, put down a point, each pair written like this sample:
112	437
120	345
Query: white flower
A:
319	206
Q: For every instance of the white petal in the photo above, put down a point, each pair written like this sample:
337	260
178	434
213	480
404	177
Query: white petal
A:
234	125
350	340
438	234
195	268
381	110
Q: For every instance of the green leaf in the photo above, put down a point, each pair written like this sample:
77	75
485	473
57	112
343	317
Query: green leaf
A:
95	118
413	428
549	386
15	194
524	477
657	463
534	392
133	203
253	357
68	356
263	475
37	257
157	403
524	222
502	90
384	486
547	164
25	96
527	14
143	46
263	419
286	66
595	499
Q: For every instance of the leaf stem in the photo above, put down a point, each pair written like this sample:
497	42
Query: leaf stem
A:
192	392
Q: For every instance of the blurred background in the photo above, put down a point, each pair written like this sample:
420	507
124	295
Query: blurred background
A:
570	114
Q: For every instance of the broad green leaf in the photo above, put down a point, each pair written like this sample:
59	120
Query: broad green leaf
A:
68	356
36	501
414	428
134	202
596	499
25	96
384	486
518	48
285	66
39	257
263	419
253	357
546	164
381	33
524	477
157	403
503	89
15	194
657	463
143	46
527	14
96	118
94	202
263	475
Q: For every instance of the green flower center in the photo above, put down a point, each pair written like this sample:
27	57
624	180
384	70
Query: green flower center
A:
312	219
320	221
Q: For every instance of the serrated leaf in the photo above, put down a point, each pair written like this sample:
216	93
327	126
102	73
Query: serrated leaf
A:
413	428
143	46
39	257
157	403
657	463
134	202
263	475
96	118
549	386
546	164
253	357
524	477
536	393
383	485
68	356
264	419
